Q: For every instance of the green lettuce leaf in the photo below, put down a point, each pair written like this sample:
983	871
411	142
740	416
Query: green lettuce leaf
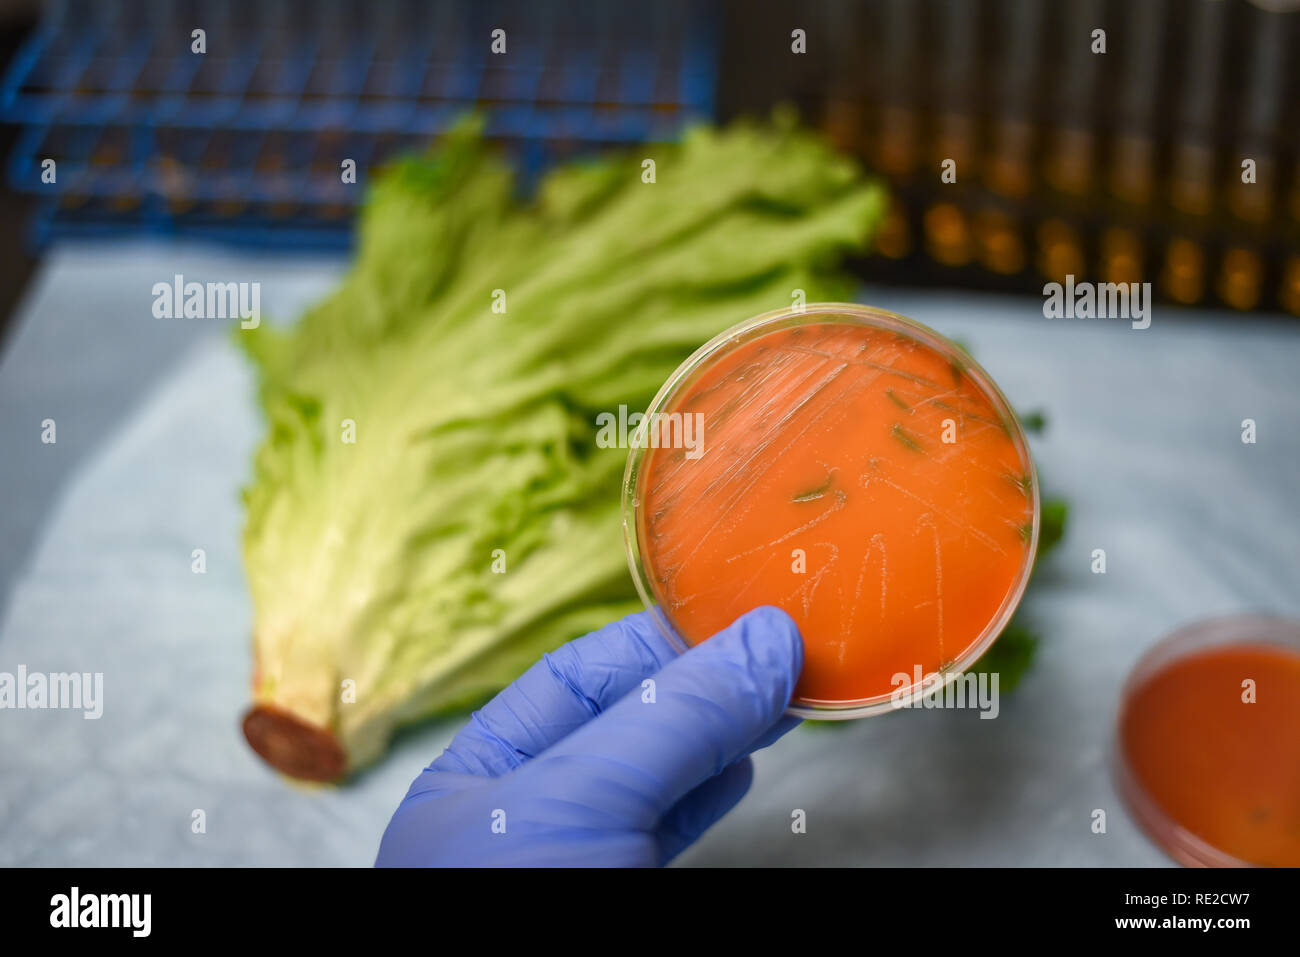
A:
371	562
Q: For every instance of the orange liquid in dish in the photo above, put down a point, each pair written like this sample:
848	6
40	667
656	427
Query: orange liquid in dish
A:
825	487
1224	770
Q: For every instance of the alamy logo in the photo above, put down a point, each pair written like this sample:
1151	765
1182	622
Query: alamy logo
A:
1106	300
179	299
967	689
658	430
75	909
75	691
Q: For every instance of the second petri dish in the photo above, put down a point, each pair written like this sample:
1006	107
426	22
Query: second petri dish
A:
1208	743
852	467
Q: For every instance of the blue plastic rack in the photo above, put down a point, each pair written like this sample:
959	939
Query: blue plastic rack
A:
244	142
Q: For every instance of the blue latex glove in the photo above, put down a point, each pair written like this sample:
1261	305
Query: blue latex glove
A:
572	765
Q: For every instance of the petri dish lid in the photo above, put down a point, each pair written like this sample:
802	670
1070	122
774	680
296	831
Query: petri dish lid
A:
858	470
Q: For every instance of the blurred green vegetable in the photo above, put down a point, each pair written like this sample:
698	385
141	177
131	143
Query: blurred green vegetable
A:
1011	655
429	511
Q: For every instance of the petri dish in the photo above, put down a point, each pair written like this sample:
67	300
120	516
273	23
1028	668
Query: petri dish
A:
852	467
1208	743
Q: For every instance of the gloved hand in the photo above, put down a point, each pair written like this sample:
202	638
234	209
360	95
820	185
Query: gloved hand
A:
583	762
